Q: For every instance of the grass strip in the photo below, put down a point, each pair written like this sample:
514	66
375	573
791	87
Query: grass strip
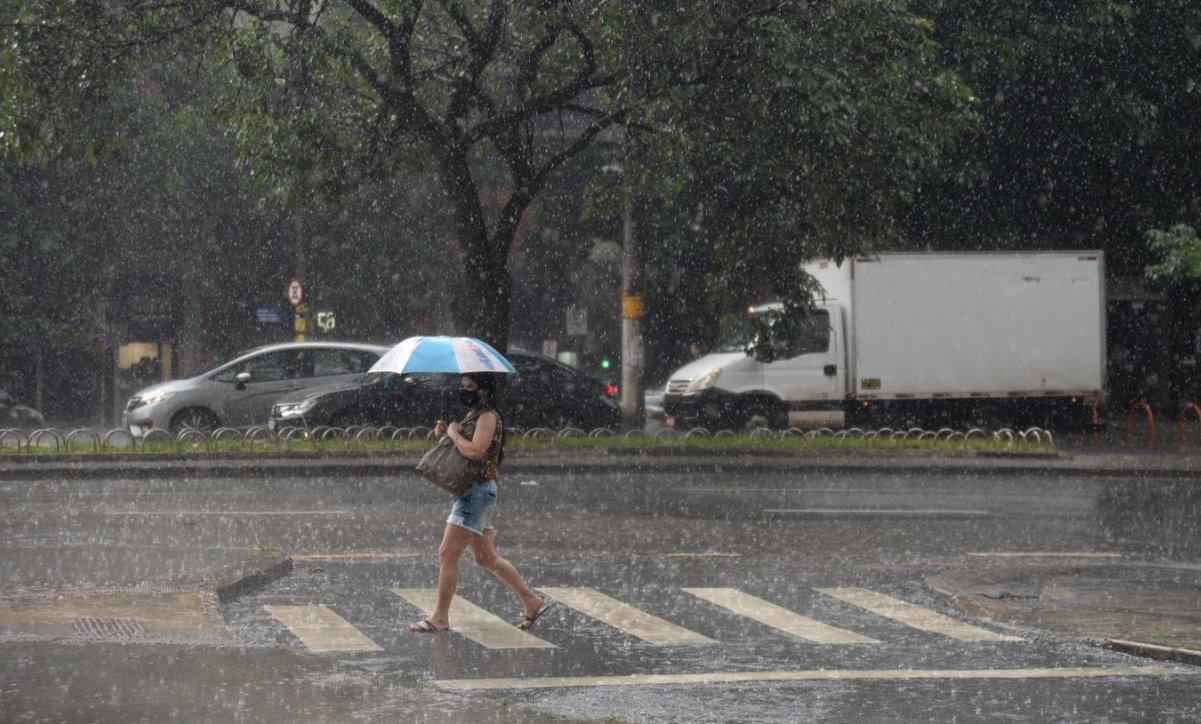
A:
599	445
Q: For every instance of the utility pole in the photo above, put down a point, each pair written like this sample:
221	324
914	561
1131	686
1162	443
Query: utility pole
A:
632	306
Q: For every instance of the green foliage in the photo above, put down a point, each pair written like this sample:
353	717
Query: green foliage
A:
1089	137
1178	251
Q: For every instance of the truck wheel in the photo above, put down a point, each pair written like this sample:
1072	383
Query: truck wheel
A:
766	414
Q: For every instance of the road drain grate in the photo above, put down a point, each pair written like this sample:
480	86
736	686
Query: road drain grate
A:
109	629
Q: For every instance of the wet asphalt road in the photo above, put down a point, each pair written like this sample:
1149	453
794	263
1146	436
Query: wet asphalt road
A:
641	539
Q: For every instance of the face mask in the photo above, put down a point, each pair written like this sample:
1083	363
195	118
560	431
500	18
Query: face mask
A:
469	398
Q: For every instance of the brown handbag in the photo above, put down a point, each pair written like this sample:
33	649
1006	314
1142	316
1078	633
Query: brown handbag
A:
446	467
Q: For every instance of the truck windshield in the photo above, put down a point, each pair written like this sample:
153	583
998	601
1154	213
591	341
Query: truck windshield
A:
736	335
813	334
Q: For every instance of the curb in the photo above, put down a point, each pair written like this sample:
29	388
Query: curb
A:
1154	651
249	576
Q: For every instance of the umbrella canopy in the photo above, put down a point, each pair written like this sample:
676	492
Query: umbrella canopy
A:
449	355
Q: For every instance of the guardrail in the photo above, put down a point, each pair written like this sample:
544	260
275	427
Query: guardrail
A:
192	440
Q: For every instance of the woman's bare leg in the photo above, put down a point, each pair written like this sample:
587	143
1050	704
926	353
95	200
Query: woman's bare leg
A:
484	549
454	541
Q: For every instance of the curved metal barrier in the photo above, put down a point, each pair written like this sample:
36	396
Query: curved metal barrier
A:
223	433
83	432
1190	407
196	437
1152	433
12	438
36	437
110	438
156	435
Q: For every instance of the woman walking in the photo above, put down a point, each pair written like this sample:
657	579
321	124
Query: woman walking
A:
471	522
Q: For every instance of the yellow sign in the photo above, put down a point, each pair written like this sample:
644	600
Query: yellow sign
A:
298	325
632	307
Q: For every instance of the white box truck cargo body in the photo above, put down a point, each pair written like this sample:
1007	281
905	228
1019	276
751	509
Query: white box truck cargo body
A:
921	335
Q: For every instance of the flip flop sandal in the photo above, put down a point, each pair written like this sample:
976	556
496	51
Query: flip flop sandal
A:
427	626
527	622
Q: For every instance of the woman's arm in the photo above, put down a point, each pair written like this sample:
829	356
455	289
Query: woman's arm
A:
477	447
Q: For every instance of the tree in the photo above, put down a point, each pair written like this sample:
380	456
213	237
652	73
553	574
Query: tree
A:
1178	255
814	143
332	93
1089	135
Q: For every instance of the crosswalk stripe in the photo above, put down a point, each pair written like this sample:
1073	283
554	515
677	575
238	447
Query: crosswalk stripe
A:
781	619
913	616
625	618
474	623
734	677
320	629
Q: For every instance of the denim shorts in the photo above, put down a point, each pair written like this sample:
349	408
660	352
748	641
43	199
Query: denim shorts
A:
475	510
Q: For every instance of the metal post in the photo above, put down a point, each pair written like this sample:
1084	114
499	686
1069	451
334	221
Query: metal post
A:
632	312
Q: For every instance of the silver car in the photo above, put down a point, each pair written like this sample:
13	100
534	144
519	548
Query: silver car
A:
241	392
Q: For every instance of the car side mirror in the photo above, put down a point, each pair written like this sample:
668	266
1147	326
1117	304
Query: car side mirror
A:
243	378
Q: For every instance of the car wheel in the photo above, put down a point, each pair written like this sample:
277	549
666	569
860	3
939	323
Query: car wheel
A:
344	420
195	418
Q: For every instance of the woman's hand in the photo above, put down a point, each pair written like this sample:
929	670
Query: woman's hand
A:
456	428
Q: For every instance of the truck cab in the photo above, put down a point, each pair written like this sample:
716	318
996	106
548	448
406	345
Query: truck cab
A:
804	385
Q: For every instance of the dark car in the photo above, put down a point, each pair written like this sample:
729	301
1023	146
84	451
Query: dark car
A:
543	393
13	415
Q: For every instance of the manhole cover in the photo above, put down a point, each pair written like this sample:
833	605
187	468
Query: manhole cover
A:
108	629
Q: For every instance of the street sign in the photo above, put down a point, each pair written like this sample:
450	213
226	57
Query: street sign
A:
577	320
269	314
632	306
326	321
295	292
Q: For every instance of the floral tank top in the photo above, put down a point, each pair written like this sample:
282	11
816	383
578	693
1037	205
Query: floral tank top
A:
492	458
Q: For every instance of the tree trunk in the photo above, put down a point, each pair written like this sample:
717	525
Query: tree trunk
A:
485	311
490	290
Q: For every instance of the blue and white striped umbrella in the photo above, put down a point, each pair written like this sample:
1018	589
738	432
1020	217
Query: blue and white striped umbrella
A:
451	355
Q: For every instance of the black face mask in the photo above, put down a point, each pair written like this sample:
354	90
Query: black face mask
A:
469	398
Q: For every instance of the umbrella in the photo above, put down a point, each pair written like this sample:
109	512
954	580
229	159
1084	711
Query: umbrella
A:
446	355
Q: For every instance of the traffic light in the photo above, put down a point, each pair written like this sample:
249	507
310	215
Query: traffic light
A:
605	363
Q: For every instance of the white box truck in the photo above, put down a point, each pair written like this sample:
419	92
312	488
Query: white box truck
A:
919	338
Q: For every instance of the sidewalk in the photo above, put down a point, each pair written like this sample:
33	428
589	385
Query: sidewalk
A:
1145	609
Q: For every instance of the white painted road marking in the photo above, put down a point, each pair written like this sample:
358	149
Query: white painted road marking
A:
782	619
321	630
227	512
892	512
354	556
735	677
1042	554
626	619
913	616
474	623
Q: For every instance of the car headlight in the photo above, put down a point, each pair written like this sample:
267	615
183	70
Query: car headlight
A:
151	398
704	382
292	409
